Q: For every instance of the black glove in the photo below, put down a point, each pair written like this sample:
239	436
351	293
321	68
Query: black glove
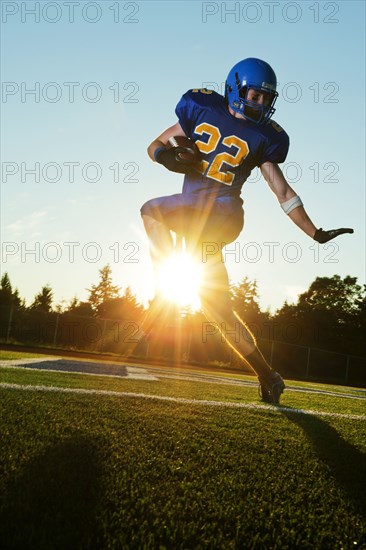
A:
172	161
325	236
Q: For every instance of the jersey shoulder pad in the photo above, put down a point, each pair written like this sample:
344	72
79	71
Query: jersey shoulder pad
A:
277	142
193	103
272	128
203	97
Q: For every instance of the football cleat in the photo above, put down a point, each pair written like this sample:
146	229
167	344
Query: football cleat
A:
271	388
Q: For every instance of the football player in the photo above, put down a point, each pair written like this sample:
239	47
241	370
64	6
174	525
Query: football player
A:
234	134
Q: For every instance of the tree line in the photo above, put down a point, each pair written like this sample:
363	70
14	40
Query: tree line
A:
329	315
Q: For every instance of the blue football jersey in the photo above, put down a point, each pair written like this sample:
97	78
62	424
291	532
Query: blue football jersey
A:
231	147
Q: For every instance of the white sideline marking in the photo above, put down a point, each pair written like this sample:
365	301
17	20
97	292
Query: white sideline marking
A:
182	400
16	362
132	373
155	373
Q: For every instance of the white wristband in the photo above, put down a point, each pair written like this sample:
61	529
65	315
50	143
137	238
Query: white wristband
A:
291	204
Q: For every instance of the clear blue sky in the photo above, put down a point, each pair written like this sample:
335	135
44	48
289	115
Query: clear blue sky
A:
107	76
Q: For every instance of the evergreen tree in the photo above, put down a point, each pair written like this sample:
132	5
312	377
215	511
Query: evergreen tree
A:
103	292
43	300
124	307
76	307
8	297
245	299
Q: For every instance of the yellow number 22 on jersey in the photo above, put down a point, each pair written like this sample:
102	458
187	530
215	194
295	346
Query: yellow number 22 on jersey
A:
215	167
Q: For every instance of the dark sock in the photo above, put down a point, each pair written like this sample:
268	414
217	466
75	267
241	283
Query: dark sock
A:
258	363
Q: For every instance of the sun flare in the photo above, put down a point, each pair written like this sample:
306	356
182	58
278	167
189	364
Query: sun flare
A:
179	280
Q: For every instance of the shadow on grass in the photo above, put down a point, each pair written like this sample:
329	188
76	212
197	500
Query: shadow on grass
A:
52	503
346	463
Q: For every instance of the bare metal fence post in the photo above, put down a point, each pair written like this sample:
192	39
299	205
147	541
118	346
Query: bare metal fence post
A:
347	368
56	329
189	343
308	364
272	351
9	323
103	335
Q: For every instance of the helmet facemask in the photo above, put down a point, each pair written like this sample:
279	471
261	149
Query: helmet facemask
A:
253	111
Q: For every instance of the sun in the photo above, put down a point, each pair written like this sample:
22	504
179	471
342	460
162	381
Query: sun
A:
179	280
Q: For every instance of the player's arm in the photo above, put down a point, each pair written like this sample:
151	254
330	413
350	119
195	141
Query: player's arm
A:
179	157
292	204
284	193
162	140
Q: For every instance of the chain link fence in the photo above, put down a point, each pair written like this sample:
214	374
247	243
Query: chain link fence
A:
176	343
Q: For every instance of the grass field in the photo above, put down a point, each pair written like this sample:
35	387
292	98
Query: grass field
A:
107	462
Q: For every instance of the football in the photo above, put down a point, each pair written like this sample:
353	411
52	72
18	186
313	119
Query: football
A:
187	150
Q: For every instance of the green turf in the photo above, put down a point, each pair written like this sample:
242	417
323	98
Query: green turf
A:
182	389
93	471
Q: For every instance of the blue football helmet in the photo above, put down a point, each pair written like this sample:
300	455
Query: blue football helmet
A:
251	73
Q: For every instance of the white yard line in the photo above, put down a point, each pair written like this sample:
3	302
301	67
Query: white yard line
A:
182	400
138	374
154	373
192	377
